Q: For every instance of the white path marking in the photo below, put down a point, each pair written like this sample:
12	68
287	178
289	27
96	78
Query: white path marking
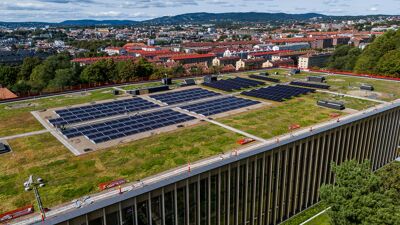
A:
323	211
352	96
24	135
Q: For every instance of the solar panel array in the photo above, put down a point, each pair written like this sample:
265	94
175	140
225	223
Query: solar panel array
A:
312	85
219	105
172	98
234	84
264	78
114	129
278	93
96	111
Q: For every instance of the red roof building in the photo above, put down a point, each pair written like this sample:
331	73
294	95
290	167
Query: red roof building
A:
6	94
87	61
194	58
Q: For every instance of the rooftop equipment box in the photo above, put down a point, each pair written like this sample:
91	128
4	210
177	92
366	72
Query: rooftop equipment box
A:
210	79
331	104
166	81
189	82
367	87
319	79
148	90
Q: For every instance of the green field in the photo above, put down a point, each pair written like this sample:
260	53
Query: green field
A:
388	90
275	119
70	177
18	120
346	84
323	219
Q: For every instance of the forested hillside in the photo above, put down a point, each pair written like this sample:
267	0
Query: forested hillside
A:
381	57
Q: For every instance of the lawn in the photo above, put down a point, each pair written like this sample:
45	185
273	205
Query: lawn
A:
70	177
19	120
323	219
347	84
352	103
274	120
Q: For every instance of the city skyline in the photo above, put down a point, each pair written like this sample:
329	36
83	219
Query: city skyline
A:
60	10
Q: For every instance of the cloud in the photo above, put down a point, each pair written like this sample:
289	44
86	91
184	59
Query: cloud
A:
23	6
67	1
59	10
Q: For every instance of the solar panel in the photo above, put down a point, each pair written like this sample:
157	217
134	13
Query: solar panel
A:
234	84
264	78
312	85
219	105
96	111
278	93
172	98
118	128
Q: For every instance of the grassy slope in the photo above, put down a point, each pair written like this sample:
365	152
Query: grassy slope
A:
17	121
70	177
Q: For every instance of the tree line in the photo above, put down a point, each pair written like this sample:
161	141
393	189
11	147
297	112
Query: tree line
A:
360	196
57	73
381	57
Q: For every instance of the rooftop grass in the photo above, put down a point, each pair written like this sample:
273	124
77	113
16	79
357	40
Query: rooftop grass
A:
352	103
20	120
346	84
274	120
322	219
69	177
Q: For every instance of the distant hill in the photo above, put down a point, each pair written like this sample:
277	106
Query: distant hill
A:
97	22
231	17
249	17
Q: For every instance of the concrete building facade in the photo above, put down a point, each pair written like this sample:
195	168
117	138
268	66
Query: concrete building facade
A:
262	187
313	60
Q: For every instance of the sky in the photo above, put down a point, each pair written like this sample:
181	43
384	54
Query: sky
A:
60	10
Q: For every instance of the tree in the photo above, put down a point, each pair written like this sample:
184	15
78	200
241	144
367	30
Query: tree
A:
389	64
143	68
98	72
370	57
21	87
344	58
126	71
357	197
63	78
27	66
8	75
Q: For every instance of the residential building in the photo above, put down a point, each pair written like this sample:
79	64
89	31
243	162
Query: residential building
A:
313	60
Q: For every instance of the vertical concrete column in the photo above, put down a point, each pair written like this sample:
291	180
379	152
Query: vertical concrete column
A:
176	204
228	200
150	215
261	203
163	205
246	191
187	203
253	206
